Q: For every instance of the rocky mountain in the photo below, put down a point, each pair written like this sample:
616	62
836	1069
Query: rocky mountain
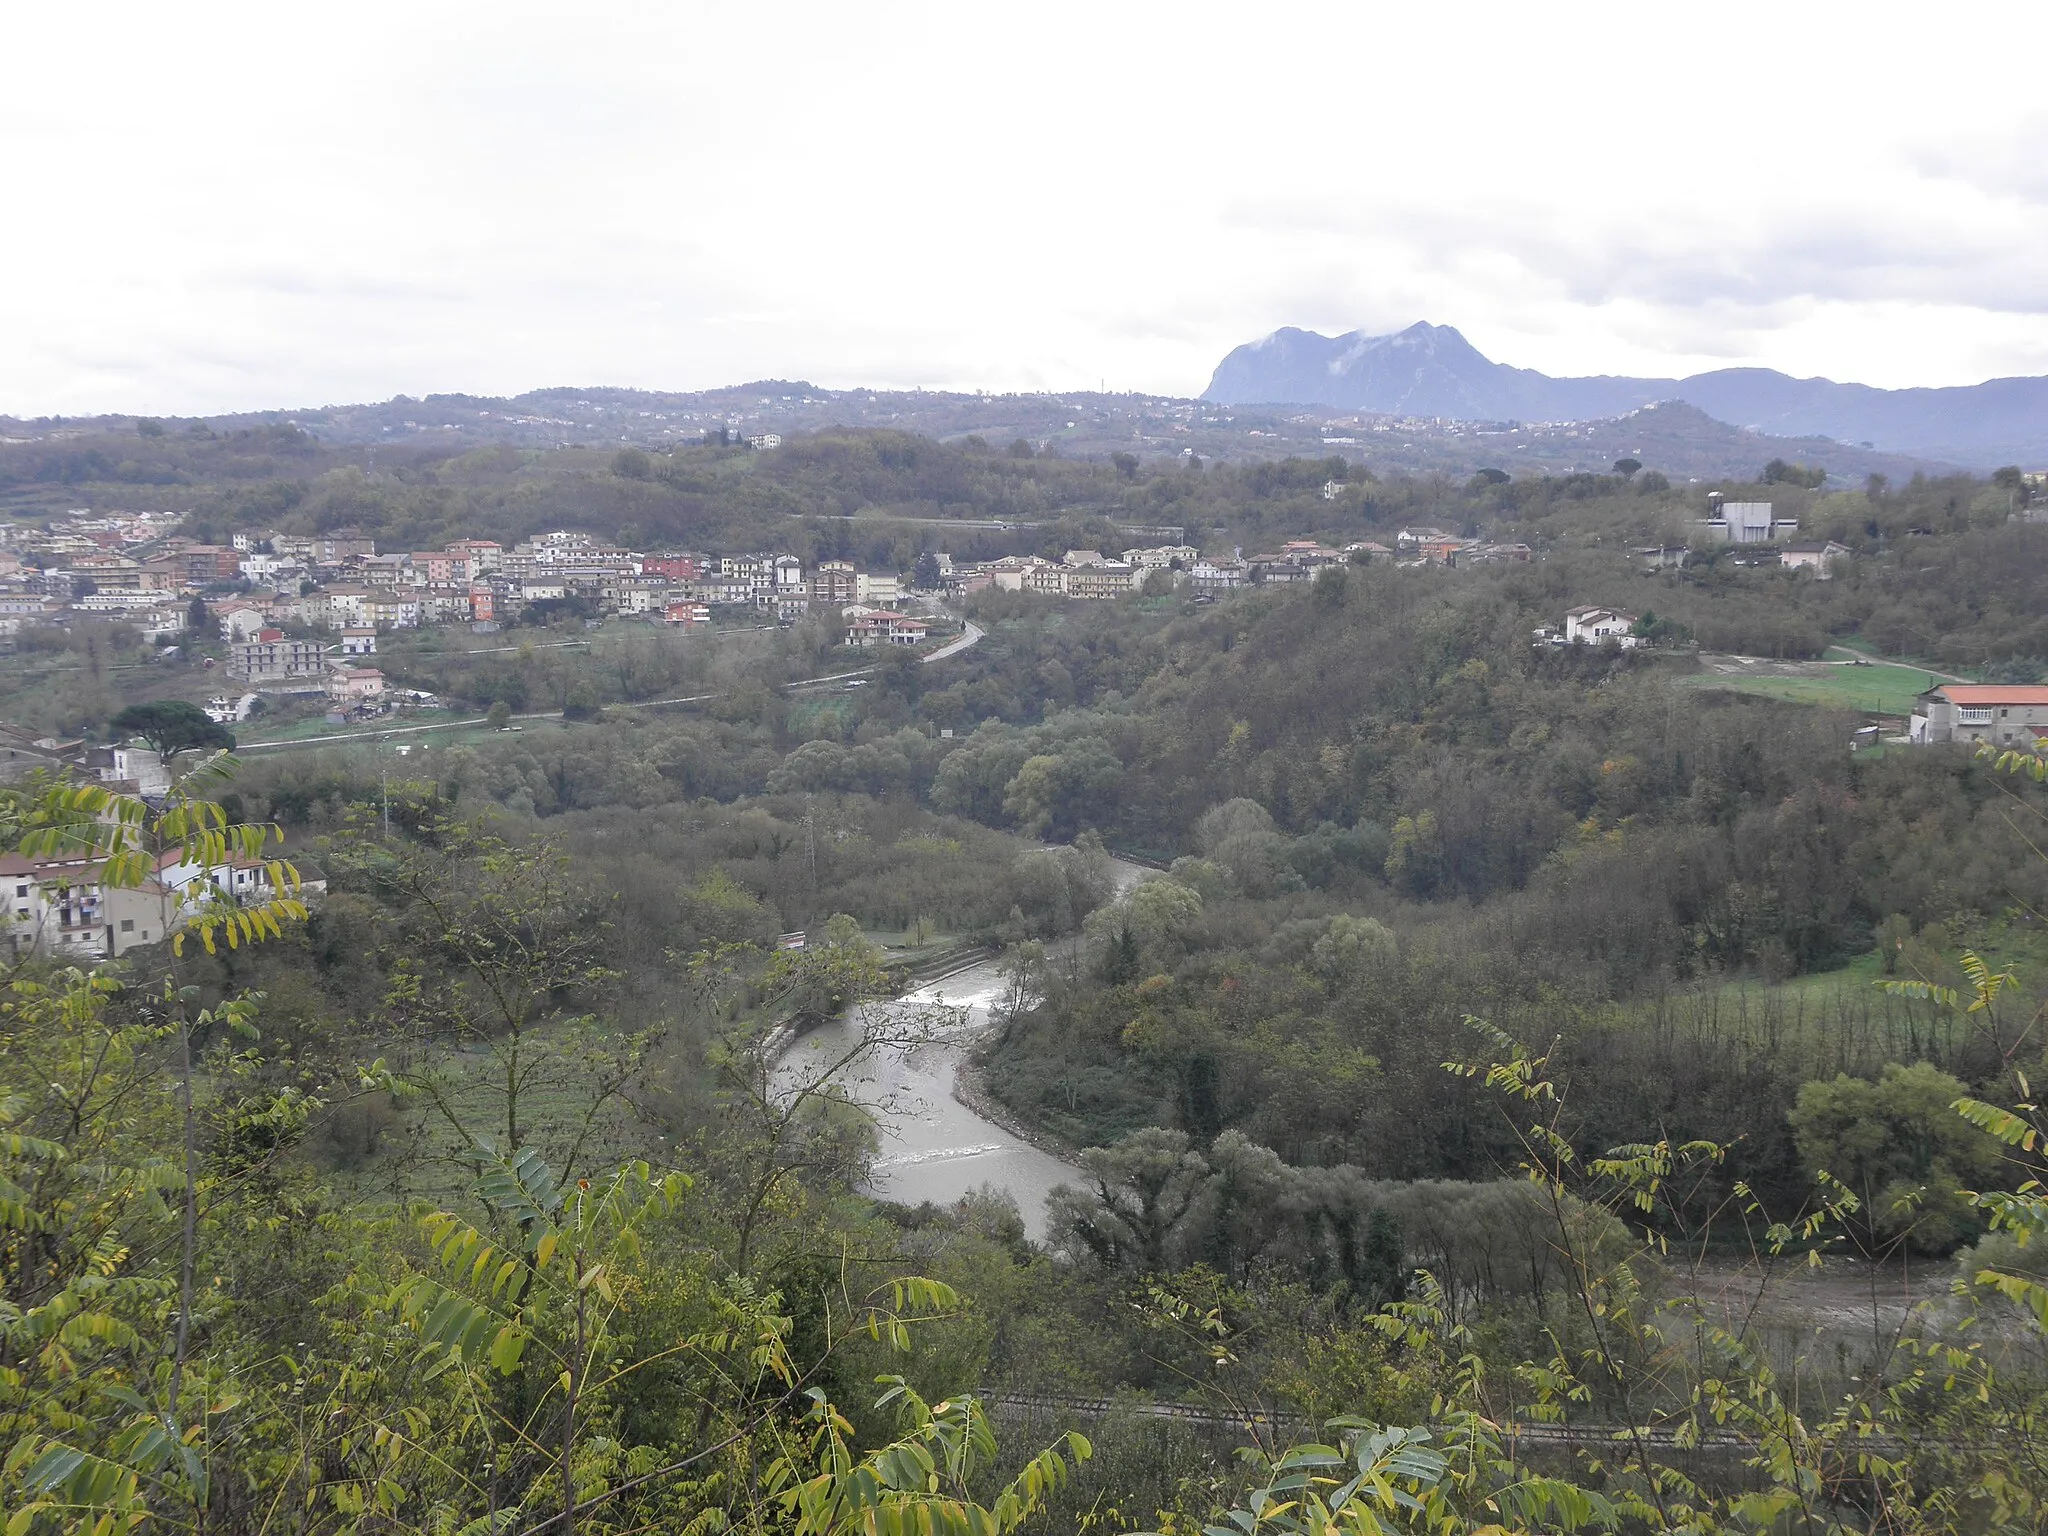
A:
1431	370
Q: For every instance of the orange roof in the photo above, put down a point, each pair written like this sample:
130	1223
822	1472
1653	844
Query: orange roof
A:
1992	693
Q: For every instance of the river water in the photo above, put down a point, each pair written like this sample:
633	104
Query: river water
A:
933	1147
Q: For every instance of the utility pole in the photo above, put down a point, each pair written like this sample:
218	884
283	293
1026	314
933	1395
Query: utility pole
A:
386	775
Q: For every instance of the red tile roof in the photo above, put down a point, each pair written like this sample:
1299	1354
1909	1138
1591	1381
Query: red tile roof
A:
1992	693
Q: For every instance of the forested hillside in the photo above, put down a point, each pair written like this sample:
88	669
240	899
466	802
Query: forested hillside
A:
1579	1090
882	495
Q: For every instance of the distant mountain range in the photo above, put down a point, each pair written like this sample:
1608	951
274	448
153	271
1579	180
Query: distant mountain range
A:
1431	370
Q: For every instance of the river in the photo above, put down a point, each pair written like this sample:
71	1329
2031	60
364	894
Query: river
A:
933	1147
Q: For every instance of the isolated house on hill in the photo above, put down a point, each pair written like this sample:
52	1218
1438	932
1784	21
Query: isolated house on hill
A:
2003	714
1591	626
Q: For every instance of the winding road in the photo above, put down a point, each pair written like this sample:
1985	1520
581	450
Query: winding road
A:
971	635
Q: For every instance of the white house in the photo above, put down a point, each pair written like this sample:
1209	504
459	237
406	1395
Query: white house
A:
1593	626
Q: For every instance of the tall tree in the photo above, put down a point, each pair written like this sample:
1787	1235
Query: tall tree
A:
173	727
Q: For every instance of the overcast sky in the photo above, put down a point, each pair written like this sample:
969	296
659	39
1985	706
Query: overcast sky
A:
220	207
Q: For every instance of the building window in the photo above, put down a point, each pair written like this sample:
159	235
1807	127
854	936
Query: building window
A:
127	925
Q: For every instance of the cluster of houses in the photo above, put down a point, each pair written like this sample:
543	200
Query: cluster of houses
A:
261	585
302	612
270	593
1087	574
1083	573
265	591
1433	546
1296	561
64	907
60	905
132	567
47	573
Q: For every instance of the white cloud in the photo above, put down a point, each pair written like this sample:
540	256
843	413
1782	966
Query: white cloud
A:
260	205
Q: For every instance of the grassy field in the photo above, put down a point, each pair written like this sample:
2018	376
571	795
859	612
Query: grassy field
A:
1883	688
2015	943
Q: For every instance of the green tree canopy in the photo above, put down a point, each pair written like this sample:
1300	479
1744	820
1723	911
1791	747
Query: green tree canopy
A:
174	726
1899	1145
1779	472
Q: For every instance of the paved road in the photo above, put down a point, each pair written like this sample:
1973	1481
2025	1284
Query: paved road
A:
287	745
968	636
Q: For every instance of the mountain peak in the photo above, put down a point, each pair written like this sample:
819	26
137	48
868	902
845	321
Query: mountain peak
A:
1425	370
1432	370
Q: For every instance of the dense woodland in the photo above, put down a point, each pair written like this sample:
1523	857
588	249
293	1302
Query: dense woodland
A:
1488	1009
